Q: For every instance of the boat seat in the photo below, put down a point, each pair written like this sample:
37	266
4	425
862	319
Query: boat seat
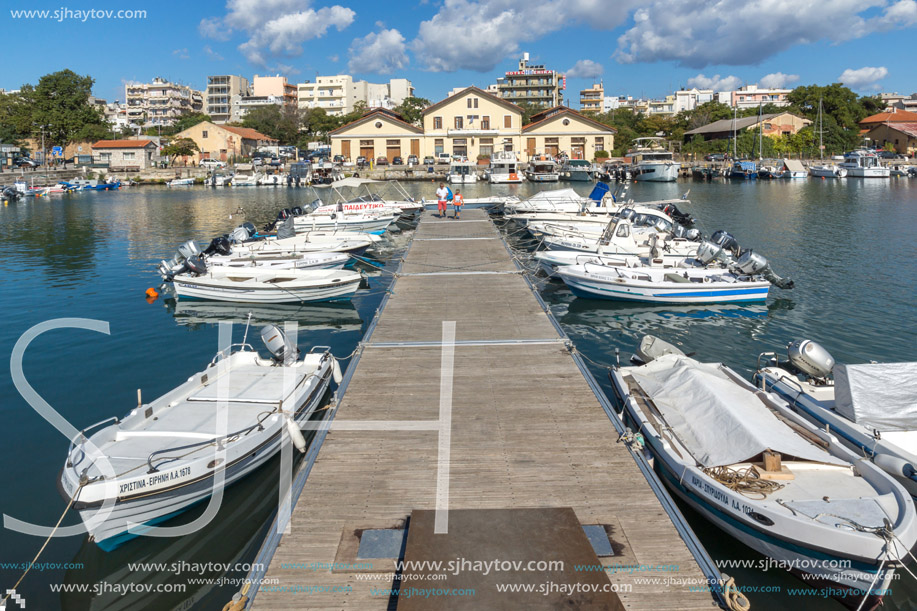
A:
672	277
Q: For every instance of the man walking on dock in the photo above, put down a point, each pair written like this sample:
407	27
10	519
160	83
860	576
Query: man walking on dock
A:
442	194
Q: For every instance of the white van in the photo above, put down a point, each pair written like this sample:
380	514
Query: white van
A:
443	158
212	163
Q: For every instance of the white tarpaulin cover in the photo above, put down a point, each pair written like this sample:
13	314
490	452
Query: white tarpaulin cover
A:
718	421
556	195
794	165
882	396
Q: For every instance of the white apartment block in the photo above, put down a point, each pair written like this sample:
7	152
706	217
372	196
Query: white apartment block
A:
160	102
689	99
220	91
751	96
242	104
339	93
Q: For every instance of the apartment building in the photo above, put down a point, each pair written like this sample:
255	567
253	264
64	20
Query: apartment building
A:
532	84
160	102
593	98
242	104
689	99
751	96
338	94
220	91
274	86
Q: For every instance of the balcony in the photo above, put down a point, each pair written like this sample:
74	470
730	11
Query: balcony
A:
471	131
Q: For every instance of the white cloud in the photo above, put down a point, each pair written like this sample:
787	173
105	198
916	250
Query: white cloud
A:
715	82
479	34
212	54
866	78
334	58
777	80
276	28
724	32
585	68
181	53
378	52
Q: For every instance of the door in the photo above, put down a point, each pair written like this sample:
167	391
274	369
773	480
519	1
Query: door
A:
367	151
530	147
415	146
345	148
551	149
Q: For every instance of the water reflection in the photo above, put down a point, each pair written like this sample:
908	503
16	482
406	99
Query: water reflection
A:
337	316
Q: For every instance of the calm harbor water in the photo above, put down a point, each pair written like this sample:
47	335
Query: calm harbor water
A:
849	245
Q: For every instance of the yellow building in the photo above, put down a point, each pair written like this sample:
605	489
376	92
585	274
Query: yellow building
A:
563	130
223	142
378	133
471	123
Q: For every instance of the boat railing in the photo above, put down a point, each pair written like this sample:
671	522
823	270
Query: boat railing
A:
222	354
216	440
83	438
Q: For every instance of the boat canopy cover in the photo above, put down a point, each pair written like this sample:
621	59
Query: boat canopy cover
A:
717	420
746	165
793	165
350	181
555	195
598	191
882	396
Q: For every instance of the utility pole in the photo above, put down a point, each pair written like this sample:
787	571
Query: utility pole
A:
43	146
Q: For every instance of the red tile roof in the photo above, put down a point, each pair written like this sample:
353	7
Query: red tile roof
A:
122	144
246	132
901	116
908	129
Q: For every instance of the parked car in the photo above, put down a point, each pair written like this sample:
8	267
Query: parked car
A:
397	161
443	158
412	159
212	163
381	161
340	159
890	155
429	160
715	157
25	162
361	161
257	161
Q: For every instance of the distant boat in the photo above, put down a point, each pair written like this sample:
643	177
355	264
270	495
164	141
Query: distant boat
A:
743	170
542	169
823	170
793	168
863	163
180	182
461	172
504	168
651	161
577	170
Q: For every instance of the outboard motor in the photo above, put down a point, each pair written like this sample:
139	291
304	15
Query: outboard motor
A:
754	264
250	228
651	348
286	229
628	214
282	348
196	265
189	249
810	358
692	234
218	246
726	240
707	252
679	231
239	235
297	211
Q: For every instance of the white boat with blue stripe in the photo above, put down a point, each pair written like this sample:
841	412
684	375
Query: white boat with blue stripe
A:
871	407
764	475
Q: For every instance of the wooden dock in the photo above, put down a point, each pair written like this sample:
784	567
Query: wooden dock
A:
466	397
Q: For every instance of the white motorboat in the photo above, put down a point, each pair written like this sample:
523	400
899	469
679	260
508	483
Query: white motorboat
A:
368	220
246	180
622	237
220	253
263	285
651	161
277	179
504	168
180	182
827	171
218	180
462	172
871	408
577	170
762	474
550	260
792	168
246	239
863	163
325	173
125	475
563	201
595	224
542	168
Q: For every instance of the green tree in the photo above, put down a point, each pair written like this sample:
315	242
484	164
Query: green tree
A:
189	120
179	148
60	103
280	122
529	109
412	109
316	124
15	116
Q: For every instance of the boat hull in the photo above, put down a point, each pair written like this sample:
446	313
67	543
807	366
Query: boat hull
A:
656	172
205	287
589	287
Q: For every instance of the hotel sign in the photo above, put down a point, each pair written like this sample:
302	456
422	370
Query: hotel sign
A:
527	72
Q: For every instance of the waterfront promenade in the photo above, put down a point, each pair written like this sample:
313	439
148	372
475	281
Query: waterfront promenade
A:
466	398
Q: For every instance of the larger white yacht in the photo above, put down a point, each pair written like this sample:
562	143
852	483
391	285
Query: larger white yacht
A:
504	168
651	161
863	163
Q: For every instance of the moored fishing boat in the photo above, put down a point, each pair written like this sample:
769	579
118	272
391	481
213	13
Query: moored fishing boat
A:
180	182
871	408
260	285
462	171
762	474
576	170
542	168
651	161
863	163
207	433
504	168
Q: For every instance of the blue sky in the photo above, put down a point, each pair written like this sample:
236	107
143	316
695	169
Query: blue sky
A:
648	47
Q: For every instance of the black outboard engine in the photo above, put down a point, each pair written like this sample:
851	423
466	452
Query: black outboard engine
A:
628	214
218	246
725	240
297	211
250	228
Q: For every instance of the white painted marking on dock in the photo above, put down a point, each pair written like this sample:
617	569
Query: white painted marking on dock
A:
373	425
453	239
441	519
506	272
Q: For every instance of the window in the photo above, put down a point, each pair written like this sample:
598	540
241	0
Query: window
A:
485	123
437	122
550	140
393	142
459	123
487	146
127	155
599	143
507	120
105	156
469	102
475	102
438	146
204	134
366	142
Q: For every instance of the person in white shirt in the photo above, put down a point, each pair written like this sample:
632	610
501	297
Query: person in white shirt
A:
442	196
